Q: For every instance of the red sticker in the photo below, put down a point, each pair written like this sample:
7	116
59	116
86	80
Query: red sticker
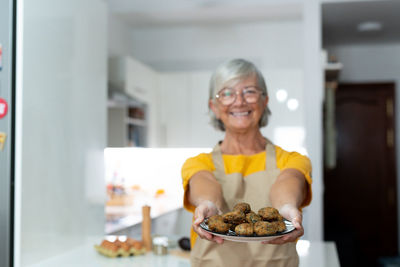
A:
3	108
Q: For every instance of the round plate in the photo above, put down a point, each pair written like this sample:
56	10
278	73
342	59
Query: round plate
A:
232	236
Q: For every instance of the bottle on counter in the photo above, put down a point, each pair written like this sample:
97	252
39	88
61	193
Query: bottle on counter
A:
146	228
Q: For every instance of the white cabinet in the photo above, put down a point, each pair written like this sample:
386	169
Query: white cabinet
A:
174	110
140	80
132	77
176	107
132	97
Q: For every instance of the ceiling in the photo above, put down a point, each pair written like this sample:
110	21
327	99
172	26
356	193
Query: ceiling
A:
340	20
339	17
139	13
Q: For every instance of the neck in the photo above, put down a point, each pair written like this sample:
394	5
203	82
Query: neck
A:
243	143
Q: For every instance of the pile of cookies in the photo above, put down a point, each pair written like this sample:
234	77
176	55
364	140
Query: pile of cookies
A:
120	247
245	222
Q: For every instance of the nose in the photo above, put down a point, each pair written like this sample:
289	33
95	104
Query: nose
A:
239	99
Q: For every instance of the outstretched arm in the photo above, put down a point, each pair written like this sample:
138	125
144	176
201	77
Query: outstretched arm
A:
287	194
205	193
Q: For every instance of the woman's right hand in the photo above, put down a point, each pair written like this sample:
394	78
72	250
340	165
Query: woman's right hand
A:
204	210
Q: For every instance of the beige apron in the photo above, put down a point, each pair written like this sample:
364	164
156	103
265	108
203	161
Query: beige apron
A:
253	189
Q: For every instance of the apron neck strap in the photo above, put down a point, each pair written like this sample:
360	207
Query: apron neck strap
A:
270	158
217	157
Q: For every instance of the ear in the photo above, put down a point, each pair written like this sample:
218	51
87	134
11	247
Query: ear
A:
213	106
265	102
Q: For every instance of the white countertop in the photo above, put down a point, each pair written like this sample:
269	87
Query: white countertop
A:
312	253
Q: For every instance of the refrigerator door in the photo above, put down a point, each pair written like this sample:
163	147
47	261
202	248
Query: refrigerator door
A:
6	131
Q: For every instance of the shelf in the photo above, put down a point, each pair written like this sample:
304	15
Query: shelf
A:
124	103
337	66
332	71
137	122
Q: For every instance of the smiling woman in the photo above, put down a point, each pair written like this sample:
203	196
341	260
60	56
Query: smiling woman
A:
244	167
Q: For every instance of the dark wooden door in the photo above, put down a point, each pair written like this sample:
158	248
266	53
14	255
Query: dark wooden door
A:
360	209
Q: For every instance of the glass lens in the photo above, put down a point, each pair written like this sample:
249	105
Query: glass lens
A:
228	95
251	94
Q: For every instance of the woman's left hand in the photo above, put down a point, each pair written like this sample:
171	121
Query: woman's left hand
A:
294	215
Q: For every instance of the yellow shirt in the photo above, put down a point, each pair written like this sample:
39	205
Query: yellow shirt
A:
246	165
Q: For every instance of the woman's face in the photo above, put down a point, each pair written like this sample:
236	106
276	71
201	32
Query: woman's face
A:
240	116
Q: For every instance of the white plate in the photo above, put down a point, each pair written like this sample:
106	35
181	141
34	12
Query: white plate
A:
232	236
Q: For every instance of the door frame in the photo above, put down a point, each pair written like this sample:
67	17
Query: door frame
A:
7	126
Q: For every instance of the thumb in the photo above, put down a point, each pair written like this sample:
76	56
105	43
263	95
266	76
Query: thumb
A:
199	215
198	220
297	222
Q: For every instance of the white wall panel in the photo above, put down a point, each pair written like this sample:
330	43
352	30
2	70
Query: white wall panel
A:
313	97
64	126
118	38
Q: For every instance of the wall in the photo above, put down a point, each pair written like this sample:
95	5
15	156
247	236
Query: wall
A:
269	44
61	130
118	38
374	63
184	117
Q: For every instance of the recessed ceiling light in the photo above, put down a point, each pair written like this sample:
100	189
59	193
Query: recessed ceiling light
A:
281	95
293	104
369	26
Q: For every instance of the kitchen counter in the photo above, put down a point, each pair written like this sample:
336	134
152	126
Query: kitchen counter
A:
312	253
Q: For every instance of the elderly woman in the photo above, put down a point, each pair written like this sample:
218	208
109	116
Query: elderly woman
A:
244	167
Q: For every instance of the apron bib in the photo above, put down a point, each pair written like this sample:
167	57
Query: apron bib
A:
253	189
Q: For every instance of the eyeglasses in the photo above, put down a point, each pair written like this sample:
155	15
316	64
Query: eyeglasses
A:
228	95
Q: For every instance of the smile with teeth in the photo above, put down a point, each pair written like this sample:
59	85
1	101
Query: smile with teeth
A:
239	114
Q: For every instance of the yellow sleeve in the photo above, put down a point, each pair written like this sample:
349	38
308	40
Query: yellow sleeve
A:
286	160
201	162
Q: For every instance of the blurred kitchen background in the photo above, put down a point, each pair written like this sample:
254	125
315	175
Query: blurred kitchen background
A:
108	98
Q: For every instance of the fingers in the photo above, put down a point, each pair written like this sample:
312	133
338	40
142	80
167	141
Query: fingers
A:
297	222
206	235
203	234
203	211
218	239
198	219
295	216
199	215
290	212
291	237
